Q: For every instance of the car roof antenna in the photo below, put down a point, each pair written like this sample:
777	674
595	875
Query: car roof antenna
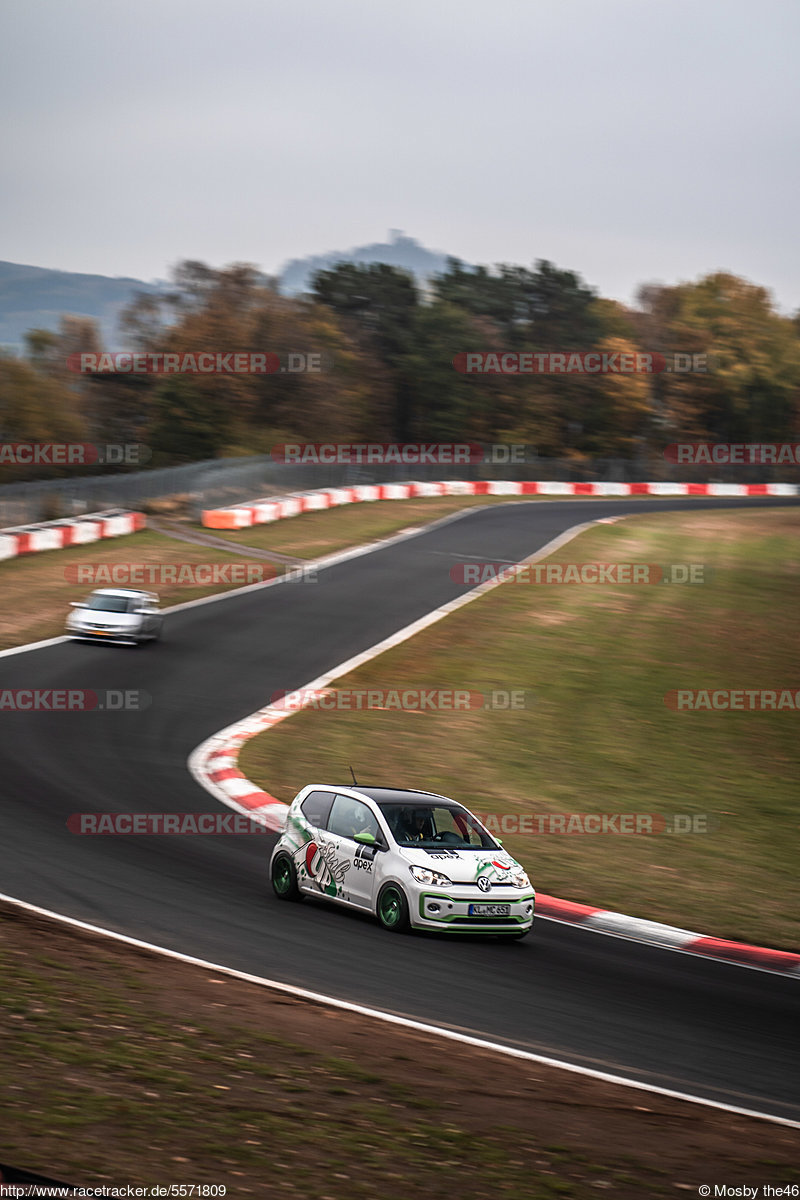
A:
352	772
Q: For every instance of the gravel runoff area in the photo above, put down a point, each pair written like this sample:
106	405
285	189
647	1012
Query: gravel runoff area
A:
122	1067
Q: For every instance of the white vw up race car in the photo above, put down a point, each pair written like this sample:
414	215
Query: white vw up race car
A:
414	859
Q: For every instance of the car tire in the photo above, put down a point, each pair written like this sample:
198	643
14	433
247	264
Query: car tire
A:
392	909
284	878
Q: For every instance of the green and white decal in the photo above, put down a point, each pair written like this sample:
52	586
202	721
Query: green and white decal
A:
318	864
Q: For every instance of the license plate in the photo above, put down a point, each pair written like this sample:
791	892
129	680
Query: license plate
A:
490	910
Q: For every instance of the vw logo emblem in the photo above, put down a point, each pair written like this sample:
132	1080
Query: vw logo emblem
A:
484	883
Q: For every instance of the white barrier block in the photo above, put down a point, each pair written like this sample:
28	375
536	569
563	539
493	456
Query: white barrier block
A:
555	487
611	489
668	489
46	539
241	516
264	512
118	526
727	489
337	496
366	491
314	501
504	487
85	531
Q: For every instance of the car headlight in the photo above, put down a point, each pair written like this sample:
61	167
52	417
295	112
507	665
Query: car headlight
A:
431	878
520	880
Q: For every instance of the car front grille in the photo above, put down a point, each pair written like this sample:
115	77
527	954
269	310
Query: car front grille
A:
474	886
485	921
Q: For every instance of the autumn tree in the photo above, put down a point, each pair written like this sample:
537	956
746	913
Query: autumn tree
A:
750	389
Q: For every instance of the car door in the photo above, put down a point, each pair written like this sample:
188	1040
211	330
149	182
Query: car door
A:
354	861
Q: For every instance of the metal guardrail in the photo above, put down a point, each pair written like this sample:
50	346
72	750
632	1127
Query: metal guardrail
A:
215	483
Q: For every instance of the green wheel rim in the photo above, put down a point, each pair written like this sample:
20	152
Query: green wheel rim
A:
282	876
391	908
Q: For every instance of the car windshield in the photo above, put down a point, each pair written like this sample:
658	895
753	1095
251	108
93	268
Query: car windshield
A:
117	604
436	825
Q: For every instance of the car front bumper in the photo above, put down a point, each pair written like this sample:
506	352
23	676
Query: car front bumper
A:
128	637
453	913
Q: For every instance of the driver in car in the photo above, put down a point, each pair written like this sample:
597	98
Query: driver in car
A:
416	825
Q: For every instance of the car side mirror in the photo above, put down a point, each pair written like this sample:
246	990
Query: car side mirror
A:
366	839
77	604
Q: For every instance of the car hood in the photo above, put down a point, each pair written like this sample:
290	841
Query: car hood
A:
106	620
465	866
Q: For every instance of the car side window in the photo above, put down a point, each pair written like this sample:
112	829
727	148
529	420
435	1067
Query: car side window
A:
316	807
349	817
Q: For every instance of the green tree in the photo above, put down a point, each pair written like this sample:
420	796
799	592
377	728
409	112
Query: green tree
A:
187	425
379	303
450	406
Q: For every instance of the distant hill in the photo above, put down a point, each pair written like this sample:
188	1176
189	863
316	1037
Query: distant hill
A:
400	251
35	298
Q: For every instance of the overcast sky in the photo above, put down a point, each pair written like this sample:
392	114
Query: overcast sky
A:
629	140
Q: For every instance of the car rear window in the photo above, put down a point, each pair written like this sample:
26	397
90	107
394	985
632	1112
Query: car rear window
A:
316	807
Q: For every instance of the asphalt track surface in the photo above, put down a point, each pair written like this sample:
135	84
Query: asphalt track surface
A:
681	1022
